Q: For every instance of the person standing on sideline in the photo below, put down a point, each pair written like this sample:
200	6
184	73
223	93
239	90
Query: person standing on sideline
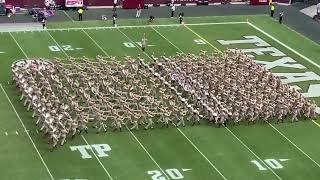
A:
114	19
272	9
181	14
80	12
280	17
173	9
138	11
44	23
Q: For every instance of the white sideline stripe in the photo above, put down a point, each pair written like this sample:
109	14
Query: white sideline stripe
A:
294	145
24	53
105	170
253	153
35	147
141	26
284	45
302	56
68	15
142	146
214	167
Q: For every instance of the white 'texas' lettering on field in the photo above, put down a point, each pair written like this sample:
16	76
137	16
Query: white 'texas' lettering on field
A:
263	48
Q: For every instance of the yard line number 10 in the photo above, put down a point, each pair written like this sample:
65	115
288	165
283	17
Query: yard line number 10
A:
272	163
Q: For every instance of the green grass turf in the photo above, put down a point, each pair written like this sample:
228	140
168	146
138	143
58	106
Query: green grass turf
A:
204	149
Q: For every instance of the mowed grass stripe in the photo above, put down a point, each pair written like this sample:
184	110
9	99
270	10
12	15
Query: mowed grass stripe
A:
103	52
199	36
174	164
151	37
16	150
10	53
212	39
66	55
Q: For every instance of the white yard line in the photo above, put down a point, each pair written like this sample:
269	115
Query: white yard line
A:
58	44
35	147
302	56
253	153
142	146
95	42
294	145
214	167
214	47
167	39
284	45
226	128
24	53
150	156
105	170
68	15
82	135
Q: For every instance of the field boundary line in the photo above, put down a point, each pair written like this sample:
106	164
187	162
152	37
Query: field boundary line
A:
284	45
294	144
289	48
134	136
298	33
105	170
136	26
24	53
68	15
227	127
34	145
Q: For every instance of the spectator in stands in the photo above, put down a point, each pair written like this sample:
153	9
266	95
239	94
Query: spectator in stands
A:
280	17
173	9
138	11
272	8
80	12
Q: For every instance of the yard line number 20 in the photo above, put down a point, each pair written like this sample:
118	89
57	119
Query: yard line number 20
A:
172	173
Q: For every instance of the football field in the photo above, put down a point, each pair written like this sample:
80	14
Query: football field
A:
288	151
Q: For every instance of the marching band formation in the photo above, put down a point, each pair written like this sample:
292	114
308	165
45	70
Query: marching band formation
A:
66	95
